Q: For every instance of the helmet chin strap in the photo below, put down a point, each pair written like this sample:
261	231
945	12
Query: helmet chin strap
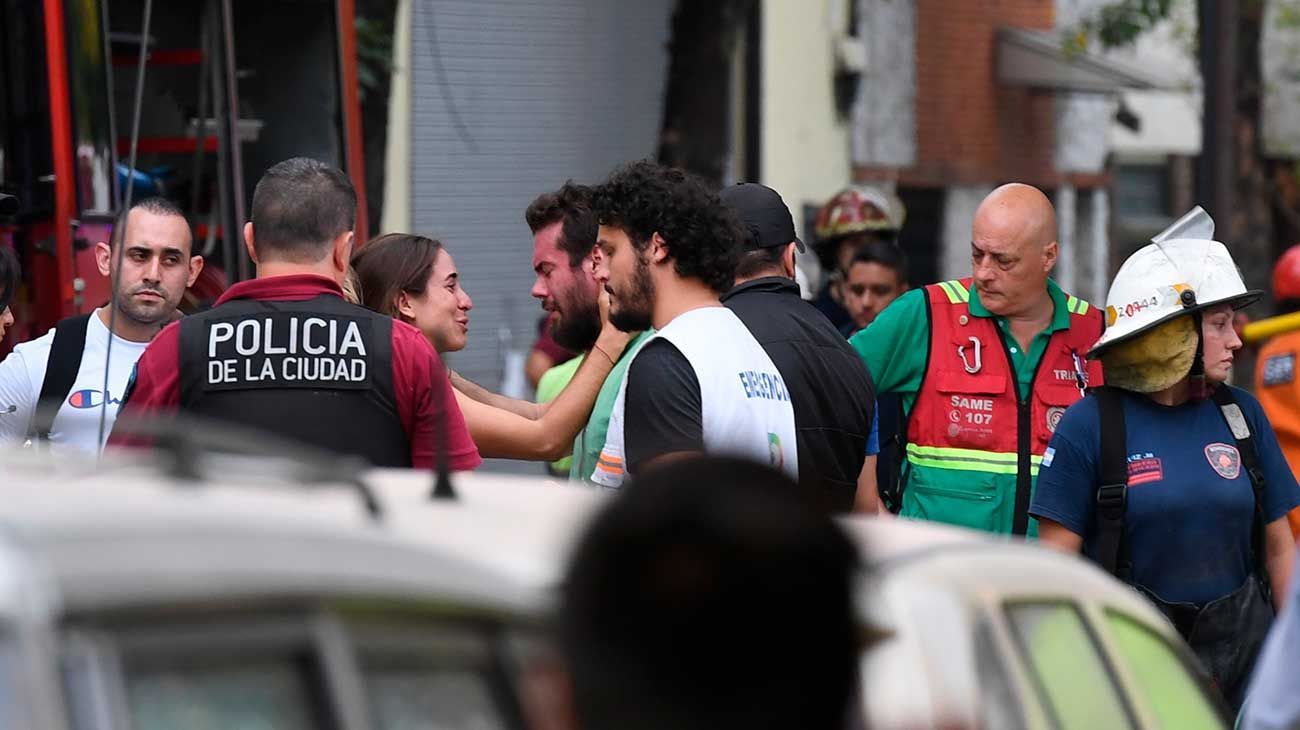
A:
1199	387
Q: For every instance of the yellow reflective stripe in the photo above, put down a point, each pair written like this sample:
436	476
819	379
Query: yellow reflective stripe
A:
1083	307
950	291
994	462
1076	305
962	291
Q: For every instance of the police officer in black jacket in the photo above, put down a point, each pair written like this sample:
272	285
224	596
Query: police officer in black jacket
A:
829	386
285	353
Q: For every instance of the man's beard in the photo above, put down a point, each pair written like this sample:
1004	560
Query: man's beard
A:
578	325
127	305
636	305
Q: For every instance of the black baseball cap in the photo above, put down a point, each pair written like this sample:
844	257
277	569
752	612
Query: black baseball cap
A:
764	215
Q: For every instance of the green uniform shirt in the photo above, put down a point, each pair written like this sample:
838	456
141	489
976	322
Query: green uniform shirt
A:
895	348
587	446
548	387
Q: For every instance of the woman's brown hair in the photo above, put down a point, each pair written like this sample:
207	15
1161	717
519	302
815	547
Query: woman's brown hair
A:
391	264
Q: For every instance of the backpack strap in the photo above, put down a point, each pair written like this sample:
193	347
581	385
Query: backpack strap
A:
1112	491
60	373
1241	433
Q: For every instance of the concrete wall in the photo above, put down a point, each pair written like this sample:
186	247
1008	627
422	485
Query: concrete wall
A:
805	147
884	112
510	98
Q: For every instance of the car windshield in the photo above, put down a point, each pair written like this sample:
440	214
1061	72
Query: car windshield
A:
13	707
203	694
1164	681
283	672
1067	666
411	694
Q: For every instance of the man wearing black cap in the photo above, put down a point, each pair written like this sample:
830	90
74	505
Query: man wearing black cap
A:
829	387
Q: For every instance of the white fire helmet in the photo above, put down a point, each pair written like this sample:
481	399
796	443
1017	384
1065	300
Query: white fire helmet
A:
1167	279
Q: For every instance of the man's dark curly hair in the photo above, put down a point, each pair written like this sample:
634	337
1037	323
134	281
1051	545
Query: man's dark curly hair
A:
572	205
702	235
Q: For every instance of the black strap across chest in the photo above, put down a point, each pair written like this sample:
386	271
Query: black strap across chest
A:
1112	490
60	373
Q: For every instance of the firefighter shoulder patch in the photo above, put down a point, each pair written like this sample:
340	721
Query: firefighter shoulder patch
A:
1225	459
1279	369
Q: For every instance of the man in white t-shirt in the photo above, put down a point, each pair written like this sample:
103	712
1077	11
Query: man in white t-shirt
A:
701	383
52	388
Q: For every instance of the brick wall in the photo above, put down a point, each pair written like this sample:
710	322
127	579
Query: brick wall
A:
969	128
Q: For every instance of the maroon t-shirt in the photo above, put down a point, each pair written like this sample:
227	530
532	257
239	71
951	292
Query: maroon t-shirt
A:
547	345
420	382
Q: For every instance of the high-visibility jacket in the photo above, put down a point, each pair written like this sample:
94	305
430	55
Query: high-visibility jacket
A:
974	447
1279	392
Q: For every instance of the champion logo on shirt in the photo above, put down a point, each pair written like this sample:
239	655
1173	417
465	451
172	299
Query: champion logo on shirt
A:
1143	468
90	398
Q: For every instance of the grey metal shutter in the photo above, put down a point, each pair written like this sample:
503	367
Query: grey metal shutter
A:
510	98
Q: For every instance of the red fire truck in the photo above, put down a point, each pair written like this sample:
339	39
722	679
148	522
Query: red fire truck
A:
228	88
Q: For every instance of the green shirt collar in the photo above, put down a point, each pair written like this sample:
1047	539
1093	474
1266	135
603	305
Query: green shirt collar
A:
1060	310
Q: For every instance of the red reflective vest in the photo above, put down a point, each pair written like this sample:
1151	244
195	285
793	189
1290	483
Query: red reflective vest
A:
973	447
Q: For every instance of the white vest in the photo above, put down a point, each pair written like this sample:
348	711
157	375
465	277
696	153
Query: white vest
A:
746	407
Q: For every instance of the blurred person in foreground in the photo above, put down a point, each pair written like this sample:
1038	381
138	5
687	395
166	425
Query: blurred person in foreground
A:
414	279
985	366
710	595
1275	375
701	383
1168	477
9	277
55	383
1273	701
829	387
285	353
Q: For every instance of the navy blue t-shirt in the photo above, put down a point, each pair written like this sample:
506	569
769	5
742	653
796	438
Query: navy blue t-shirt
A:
1190	504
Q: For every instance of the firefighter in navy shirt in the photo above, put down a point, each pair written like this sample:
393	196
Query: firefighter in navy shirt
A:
284	353
1155	477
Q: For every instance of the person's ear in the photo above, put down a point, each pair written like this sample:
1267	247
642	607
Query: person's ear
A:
787	260
342	253
196	268
404	306
104	258
658	248
1050	252
248	242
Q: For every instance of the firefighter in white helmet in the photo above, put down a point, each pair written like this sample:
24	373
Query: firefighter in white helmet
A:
1169	477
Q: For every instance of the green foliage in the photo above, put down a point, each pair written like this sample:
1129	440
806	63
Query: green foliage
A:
374	54
1116	24
1287	15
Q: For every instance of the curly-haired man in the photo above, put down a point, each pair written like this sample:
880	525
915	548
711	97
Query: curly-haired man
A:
701	383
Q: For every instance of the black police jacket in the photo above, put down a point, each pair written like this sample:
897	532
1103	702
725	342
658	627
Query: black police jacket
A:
829	386
319	371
